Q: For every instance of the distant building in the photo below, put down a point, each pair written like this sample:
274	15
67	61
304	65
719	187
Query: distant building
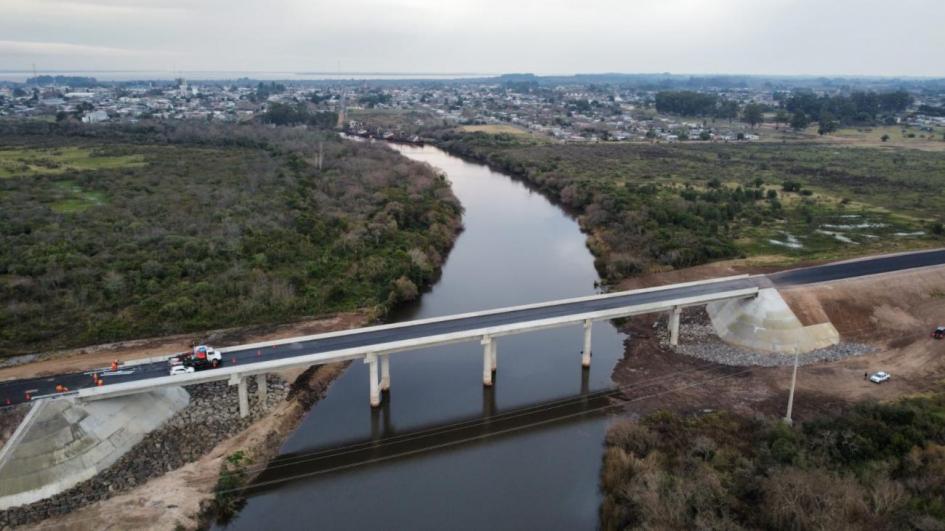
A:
95	117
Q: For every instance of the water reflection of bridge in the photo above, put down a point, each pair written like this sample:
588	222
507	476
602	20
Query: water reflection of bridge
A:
386	442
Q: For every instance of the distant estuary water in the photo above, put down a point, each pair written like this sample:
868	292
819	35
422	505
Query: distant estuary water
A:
517	248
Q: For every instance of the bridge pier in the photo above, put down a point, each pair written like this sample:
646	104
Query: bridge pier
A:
262	390
586	355
385	372
494	356
243	392
674	325
371	360
488	360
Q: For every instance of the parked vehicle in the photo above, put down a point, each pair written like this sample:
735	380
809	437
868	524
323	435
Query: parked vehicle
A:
939	333
879	377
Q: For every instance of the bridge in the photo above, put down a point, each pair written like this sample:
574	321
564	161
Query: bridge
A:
376	344
68	437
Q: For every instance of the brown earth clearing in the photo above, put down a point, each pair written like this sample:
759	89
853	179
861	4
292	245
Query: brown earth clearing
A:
894	313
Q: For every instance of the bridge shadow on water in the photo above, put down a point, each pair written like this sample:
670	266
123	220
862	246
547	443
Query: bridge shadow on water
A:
387	443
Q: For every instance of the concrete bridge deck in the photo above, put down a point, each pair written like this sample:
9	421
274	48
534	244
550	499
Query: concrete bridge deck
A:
376	343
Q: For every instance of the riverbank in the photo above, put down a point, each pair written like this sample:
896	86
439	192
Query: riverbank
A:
516	248
721	407
135	493
300	223
176	467
648	208
884	323
168	479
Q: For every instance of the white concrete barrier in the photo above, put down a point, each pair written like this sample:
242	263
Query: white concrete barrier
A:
386	348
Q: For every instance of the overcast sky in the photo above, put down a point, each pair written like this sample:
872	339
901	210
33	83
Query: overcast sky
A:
849	37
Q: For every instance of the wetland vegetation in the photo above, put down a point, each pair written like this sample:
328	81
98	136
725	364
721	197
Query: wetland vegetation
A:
135	231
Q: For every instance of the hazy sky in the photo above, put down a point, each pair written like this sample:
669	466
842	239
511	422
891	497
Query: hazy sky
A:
858	37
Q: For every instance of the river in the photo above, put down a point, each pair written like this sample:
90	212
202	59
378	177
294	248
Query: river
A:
517	248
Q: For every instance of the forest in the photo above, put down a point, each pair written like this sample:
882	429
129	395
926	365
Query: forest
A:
118	232
858	107
855	108
692	103
876	466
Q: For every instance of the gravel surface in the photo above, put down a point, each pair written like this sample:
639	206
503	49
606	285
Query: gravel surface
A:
211	417
13	361
698	339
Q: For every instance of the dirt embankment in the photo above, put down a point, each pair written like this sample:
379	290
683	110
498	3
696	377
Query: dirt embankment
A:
101	355
177	498
893	313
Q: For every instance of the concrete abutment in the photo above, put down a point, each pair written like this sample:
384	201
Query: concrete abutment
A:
67	441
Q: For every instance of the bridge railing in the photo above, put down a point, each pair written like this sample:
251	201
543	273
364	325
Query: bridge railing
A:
235	373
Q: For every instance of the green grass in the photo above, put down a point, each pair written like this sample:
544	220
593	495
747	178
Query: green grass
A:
57	161
74	198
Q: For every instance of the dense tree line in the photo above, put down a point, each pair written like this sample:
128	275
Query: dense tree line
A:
931	110
691	103
877	466
856	108
374	98
298	114
263	91
220	226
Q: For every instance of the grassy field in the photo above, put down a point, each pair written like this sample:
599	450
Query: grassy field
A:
494	129
406	122
147	232
56	161
896	136
649	206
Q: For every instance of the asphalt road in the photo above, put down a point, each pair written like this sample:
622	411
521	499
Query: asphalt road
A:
15	391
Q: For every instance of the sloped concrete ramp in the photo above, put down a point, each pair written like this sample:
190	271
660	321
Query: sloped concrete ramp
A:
64	442
768	324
